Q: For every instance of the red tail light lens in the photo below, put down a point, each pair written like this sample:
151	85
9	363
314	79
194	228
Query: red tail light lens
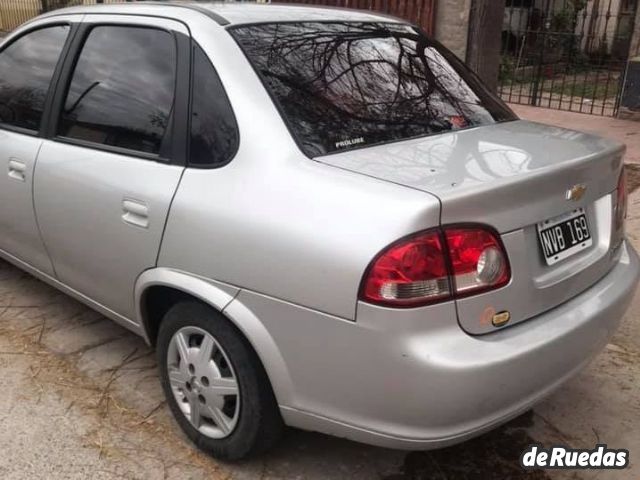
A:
409	273
621	201
478	260
436	265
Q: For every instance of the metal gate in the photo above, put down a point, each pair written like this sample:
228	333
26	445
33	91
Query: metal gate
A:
566	54
16	12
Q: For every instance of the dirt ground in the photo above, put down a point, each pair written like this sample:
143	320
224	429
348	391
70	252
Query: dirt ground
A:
80	398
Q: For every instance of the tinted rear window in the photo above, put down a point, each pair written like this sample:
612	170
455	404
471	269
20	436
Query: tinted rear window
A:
345	85
122	90
26	69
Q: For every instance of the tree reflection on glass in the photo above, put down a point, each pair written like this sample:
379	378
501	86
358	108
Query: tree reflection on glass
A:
342	84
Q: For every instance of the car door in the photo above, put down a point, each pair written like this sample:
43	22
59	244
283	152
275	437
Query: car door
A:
28	62
106	178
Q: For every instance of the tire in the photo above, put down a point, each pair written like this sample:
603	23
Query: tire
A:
228	427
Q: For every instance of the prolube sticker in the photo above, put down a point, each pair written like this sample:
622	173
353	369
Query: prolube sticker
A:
350	142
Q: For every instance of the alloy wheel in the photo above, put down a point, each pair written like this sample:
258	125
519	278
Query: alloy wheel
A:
203	382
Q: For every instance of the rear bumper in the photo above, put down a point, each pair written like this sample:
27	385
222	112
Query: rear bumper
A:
413	387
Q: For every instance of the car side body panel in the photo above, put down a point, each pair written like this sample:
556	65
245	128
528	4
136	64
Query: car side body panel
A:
21	239
250	241
18	224
80	198
275	222
103	213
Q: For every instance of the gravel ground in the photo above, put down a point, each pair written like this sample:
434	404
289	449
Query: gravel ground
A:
80	398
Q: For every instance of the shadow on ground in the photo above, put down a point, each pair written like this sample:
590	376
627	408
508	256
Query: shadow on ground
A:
495	455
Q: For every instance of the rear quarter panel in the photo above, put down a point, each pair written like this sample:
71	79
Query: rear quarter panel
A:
289	228
274	221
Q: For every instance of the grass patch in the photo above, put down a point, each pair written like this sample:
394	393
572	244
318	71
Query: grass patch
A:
594	90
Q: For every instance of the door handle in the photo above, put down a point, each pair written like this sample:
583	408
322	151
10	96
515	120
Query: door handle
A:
136	213
17	169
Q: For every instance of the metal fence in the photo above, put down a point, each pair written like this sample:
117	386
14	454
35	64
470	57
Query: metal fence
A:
566	54
421	12
13	13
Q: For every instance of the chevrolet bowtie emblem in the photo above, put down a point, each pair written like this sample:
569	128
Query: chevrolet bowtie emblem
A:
576	192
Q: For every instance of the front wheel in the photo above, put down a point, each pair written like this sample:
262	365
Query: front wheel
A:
215	384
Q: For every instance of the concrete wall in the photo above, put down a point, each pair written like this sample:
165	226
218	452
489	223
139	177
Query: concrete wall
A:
630	103
452	25
635	39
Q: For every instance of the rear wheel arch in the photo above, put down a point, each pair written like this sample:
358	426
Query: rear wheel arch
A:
157	290
156	302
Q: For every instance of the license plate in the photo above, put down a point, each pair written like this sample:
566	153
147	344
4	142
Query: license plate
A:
563	236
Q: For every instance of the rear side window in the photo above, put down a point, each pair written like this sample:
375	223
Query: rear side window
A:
350	84
122	89
26	69
214	133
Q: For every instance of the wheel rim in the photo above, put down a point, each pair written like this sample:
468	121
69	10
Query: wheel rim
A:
203	382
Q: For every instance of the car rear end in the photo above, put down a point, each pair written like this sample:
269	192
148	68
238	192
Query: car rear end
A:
554	214
560	243
443	385
469	322
531	307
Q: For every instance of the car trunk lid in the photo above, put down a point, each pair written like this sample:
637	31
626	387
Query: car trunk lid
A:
511	176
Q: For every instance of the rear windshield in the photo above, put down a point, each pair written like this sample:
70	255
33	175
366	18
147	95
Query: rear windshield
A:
345	85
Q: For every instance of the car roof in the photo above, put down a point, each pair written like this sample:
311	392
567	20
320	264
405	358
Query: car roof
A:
238	13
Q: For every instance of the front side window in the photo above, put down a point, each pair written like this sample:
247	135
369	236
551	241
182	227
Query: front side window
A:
342	85
214	133
122	89
26	69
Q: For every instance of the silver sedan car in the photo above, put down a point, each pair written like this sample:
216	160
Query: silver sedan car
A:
319	217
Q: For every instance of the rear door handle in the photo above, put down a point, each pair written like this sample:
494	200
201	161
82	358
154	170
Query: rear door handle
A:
17	169
135	213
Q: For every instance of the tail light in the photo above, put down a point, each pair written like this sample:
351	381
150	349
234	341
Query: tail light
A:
436	265
410	272
478	260
621	201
